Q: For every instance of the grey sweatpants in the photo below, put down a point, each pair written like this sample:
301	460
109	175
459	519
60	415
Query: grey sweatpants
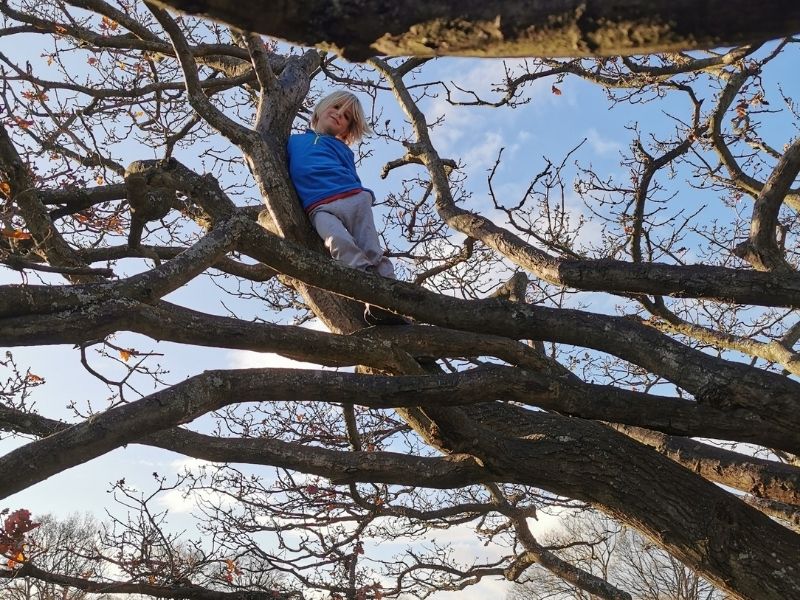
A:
348	229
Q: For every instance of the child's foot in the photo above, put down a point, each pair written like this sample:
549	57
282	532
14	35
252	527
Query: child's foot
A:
374	315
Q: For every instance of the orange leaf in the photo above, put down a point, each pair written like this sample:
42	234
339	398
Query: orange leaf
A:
115	224
108	24
33	378
5	189
555	90
15	234
34	95
99	179
125	355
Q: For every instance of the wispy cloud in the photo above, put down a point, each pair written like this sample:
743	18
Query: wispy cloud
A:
245	359
602	146
179	502
483	154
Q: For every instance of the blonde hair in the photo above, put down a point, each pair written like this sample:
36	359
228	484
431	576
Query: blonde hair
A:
346	101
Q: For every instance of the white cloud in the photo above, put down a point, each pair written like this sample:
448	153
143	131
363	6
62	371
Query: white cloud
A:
591	234
476	133
187	463
508	193
546	523
602	146
483	154
458	121
462	123
245	359
178	502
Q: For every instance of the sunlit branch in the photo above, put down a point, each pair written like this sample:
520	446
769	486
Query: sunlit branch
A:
509	28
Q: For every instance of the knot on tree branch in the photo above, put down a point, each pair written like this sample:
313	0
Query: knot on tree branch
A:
414	148
768	258
151	195
153	186
513	289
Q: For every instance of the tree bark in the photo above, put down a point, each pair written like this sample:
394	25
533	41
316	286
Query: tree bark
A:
362	28
713	532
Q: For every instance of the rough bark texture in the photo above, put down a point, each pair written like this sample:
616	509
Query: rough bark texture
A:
363	28
531	421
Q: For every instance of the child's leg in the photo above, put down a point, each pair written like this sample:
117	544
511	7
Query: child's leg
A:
361	224
349	232
337	238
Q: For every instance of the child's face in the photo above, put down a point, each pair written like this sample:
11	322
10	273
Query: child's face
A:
334	121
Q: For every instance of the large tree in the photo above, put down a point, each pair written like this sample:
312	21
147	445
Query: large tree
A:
509	396
63	547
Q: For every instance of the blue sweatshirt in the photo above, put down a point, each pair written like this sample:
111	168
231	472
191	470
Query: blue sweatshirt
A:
322	167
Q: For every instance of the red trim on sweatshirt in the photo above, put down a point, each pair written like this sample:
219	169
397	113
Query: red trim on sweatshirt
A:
330	199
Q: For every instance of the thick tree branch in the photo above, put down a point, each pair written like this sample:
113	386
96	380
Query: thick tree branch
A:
761	249
48	240
390	350
342	467
588	275
182	592
76	200
720	383
717	518
360	29
146	287
776	351
758	477
787	513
